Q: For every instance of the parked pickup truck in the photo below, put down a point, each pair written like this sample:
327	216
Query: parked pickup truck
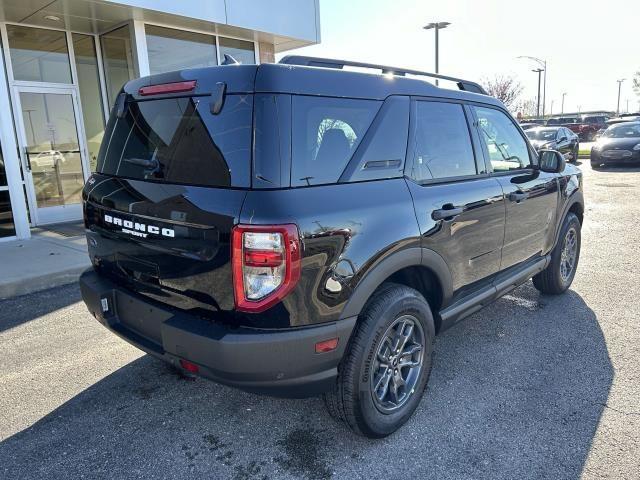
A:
585	131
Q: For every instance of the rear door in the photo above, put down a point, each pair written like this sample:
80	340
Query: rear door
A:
459	207
169	187
531	195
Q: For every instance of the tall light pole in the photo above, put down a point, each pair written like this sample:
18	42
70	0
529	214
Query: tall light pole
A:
562	110
543	64
619	88
539	71
437	26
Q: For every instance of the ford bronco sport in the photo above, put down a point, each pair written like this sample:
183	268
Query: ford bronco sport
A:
302	228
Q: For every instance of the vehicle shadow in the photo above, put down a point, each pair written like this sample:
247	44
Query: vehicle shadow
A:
517	391
18	310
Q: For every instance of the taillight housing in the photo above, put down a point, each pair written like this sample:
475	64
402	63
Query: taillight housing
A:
266	264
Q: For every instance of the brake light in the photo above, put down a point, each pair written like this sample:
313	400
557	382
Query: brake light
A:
177	87
266	264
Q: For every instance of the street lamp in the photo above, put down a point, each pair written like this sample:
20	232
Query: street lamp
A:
539	72
563	95
436	26
543	64
619	87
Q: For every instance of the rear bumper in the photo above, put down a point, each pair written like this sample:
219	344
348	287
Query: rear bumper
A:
275	362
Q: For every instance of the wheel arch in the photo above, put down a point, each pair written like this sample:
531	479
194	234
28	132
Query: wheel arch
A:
418	268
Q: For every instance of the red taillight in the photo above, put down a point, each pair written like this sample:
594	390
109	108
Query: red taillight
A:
177	87
326	345
266	264
189	366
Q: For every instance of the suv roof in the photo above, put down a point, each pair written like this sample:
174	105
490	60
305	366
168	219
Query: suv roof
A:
323	79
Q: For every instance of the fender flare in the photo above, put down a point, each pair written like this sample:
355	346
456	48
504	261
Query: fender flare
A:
409	257
576	198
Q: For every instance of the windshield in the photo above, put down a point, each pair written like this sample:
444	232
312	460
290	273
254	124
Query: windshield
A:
547	134
179	140
623	130
568	120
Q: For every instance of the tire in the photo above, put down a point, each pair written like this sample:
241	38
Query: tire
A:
595	165
392	310
576	153
559	274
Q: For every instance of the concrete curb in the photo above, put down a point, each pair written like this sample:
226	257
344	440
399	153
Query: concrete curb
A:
43	282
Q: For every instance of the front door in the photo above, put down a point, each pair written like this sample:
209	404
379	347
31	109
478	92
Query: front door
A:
52	152
459	207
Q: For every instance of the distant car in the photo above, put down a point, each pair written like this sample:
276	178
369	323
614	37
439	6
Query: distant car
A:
599	121
620	143
555	138
585	131
626	117
47	159
527	126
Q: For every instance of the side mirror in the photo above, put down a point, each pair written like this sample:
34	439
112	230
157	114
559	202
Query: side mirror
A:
562	139
551	161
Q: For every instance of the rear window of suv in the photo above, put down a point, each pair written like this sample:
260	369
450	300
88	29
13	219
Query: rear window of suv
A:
179	140
325	133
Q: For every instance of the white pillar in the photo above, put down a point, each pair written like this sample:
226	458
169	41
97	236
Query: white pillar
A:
141	56
11	159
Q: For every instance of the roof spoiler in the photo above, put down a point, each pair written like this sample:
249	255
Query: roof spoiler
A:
301	60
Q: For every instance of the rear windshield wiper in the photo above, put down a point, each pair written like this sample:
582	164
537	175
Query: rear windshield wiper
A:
148	164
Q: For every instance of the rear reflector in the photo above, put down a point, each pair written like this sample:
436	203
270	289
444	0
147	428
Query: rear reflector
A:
326	345
176	87
188	366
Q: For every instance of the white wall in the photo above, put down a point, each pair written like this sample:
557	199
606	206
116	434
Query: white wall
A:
297	19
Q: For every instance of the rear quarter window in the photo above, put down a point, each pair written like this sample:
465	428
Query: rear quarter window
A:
325	134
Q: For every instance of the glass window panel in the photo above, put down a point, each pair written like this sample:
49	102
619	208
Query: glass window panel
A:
90	96
52	147
171	49
118	60
241	50
442	142
326	131
38	54
7	227
504	144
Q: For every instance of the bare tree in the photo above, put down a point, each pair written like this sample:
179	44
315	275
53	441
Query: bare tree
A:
636	83
526	108
505	88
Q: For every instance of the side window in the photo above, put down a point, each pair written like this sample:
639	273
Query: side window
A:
505	146
441	142
326	131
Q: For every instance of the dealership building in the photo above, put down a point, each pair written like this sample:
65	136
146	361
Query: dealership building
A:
64	61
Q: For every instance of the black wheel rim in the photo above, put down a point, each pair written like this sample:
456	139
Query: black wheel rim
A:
398	363
568	254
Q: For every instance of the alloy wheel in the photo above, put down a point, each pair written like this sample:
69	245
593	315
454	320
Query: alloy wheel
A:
397	364
569	254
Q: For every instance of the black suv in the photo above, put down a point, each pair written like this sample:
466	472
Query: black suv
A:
299	229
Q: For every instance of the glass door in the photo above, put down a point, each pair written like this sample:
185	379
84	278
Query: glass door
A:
52	151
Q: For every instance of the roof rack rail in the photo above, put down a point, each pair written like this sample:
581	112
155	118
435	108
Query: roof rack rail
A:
302	60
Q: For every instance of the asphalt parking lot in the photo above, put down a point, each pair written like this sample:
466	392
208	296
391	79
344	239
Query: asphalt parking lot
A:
531	387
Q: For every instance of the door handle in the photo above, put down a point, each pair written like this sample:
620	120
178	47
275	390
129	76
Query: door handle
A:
447	212
27	157
518	196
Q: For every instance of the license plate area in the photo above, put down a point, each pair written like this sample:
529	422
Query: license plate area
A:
140	317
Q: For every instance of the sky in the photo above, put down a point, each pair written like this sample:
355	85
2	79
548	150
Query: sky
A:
587	44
